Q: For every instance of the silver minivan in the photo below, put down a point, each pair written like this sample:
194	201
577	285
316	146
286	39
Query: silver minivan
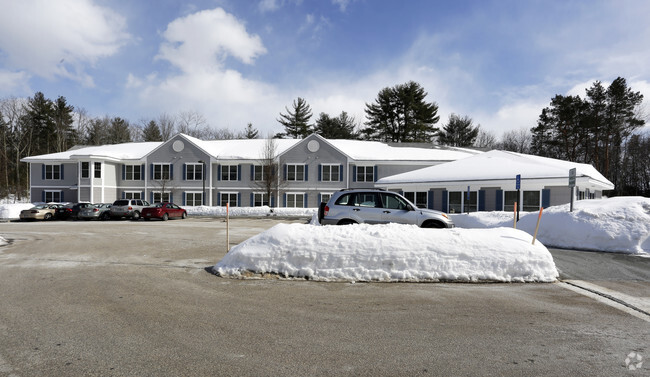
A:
372	206
131	208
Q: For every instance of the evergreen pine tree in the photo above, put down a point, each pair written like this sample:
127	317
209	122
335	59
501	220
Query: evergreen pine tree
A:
296	122
250	132
152	132
458	132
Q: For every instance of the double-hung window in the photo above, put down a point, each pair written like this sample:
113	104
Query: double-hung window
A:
52	171
85	169
161	196
228	172
295	172
260	199
132	172
52	196
330	173
259	173
419	198
98	170
161	172
365	173
295	200
132	194
193	172
228	198
193	199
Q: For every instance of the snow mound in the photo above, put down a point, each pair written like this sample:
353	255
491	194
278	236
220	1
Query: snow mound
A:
12	211
250	211
620	224
391	252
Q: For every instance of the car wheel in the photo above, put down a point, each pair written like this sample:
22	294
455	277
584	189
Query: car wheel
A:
105	216
136	216
321	211
146	219
47	216
346	222
184	215
433	224
165	217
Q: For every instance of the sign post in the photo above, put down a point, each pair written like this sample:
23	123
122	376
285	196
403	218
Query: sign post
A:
572	185
518	187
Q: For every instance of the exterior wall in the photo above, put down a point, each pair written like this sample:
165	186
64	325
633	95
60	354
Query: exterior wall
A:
490	199
559	195
66	184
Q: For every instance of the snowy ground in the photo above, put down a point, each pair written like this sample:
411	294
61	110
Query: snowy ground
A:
482	247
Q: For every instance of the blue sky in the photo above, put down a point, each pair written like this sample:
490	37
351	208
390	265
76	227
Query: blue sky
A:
498	62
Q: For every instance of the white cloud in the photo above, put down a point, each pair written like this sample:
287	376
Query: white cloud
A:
268	5
12	83
59	38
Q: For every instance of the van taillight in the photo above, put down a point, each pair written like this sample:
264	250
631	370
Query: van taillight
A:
326	210
130	208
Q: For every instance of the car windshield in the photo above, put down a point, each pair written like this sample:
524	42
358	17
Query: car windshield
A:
158	205
40	206
121	203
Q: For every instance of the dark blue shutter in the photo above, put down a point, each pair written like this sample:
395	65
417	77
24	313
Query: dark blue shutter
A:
43	195
218	172
445	196
546	198
142	172
151	197
304	202
284	196
320	172
239	172
306	173
184	198
218	199
123	172
320	199
61	198
184	177
43	175
286	169
61	173
142	195
238	199
171	197
123	194
341	173
272	199
481	200
430	199
354	173
252	200
151	172
252	173
171	172
499	200
376	170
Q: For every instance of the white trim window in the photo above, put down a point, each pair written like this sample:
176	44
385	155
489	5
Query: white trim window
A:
229	172
98	170
229	198
162	172
365	173
52	172
85	169
325	197
458	203
133	195
193	199
419	198
258	173
132	172
295	172
295	200
532	200
52	196
330	172
159	196
193	171
260	199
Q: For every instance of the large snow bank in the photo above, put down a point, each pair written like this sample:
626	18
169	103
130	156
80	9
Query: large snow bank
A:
391	252
250	211
620	224
12	211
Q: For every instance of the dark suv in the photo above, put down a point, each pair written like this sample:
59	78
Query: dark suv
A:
376	207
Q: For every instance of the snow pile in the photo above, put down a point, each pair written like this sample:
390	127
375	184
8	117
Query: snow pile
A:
391	252
3	241
12	211
620	224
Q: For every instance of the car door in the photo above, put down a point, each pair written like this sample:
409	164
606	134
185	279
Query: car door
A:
174	210
396	210
367	208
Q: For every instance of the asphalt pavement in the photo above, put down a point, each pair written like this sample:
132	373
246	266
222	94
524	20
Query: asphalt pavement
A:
124	298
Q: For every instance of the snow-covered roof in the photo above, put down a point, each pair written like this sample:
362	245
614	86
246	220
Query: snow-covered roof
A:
373	150
125	151
499	166
240	149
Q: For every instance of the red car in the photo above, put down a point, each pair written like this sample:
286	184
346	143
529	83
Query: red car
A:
163	211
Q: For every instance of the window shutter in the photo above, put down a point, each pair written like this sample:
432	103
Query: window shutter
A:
171	197
320	199
184	197
142	195
252	172
239	172
43	196
184	177
354	173
61	173
123	194
142	172
320	172
252	200
151	197
239	199
171	172
151	170
445	204
481	200
306	173
304	202
546	198
285	199
499	200
430	199
218	172
272	201
286	169
61	198
43	176
123	172
374	175
341	173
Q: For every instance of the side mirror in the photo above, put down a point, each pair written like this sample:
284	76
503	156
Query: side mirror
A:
409	207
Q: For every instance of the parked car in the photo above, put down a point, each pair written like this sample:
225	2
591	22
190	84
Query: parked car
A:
70	211
130	208
164	211
40	212
100	211
374	206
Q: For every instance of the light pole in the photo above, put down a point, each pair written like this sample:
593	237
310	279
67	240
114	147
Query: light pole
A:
203	176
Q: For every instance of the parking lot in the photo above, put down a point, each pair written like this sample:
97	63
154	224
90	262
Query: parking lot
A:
134	298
